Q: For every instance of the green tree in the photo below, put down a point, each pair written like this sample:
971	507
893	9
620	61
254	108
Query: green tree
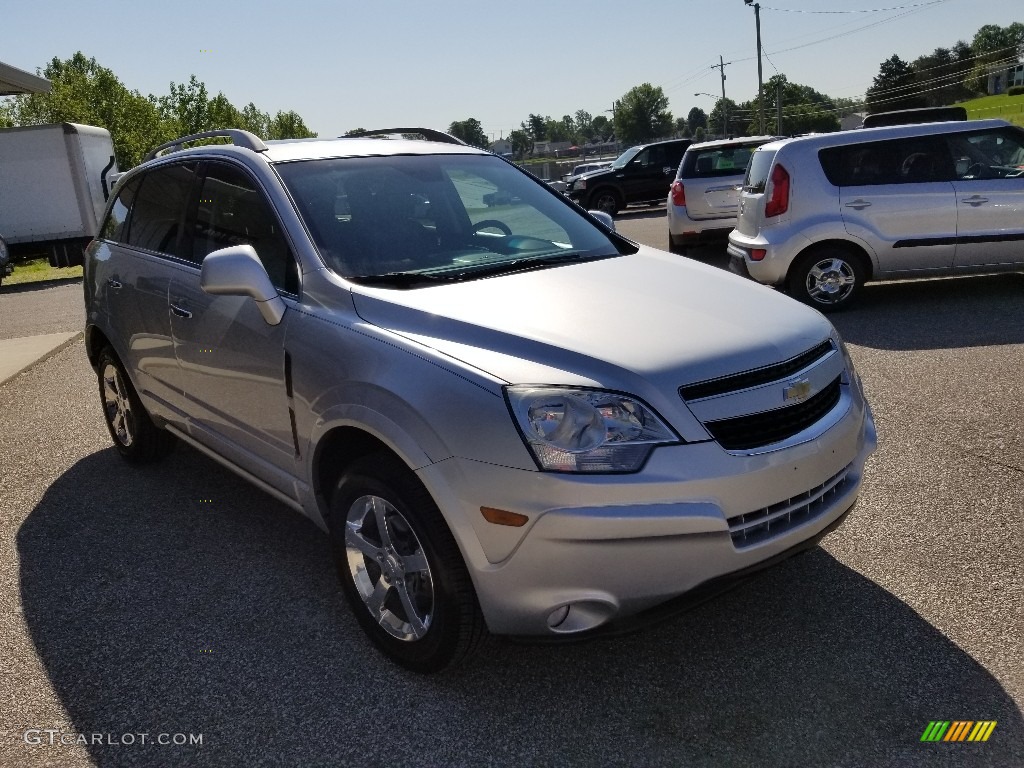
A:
602	127
355	133
521	142
471	132
288	125
804	110
583	124
535	126
995	46
642	114
737	120
893	87
942	76
186	107
696	118
221	113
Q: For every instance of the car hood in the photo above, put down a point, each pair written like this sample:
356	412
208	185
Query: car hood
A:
645	323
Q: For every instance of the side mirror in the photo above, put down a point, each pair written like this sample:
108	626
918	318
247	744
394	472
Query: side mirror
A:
604	218
238	271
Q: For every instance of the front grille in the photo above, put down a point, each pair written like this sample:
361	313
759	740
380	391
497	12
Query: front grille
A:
757	376
768	523
760	429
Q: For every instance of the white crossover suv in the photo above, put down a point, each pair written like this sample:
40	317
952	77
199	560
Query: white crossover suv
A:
508	418
821	215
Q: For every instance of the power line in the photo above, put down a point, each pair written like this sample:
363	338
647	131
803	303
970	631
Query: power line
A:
859	10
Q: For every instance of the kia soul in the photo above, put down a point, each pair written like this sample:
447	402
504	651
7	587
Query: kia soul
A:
508	418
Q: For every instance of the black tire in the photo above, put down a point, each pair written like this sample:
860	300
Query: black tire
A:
827	277
136	437
433	620
605	199
674	248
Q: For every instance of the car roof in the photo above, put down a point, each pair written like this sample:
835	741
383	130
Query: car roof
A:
738	141
861	135
318	149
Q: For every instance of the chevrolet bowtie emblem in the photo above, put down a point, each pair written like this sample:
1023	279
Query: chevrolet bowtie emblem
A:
798	390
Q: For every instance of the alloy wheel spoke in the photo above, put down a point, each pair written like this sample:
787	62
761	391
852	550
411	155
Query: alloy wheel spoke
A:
375	600
379	511
354	538
418	627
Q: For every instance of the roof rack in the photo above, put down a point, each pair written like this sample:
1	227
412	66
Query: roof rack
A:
428	133
238	137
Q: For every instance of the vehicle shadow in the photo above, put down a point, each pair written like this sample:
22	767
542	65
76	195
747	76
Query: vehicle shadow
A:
178	599
937	314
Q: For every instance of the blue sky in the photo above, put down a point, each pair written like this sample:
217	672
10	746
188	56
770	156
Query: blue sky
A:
344	65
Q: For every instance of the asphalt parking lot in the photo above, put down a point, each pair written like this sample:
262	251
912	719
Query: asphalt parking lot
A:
177	600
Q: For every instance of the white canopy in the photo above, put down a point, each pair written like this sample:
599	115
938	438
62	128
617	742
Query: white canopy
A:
14	80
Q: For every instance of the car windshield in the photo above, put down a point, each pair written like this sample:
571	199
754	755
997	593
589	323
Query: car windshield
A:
410	220
625	157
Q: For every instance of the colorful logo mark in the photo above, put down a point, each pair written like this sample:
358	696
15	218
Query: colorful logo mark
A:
958	730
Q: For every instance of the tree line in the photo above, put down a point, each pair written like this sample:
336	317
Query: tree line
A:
943	77
85	92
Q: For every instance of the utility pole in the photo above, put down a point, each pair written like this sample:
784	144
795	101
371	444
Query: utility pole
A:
725	106
778	107
760	72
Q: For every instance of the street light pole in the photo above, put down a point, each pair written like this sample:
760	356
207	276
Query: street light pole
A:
760	71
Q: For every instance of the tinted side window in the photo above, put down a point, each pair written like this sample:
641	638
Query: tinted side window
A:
757	171
912	160
232	211
159	209
115	227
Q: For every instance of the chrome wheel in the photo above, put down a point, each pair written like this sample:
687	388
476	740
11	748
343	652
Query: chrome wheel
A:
830	281
605	201
389	568
117	406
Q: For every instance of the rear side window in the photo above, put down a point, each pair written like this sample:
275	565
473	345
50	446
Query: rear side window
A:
913	160
115	227
757	171
159	209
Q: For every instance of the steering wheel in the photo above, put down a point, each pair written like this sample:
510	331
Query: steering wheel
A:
492	223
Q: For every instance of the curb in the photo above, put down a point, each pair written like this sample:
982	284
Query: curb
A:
45	356
36	284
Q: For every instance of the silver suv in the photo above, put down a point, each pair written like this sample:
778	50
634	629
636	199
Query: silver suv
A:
705	195
508	418
822	215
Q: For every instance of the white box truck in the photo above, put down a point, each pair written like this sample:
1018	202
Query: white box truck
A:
54	184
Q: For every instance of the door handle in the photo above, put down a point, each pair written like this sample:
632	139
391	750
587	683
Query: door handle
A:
974	200
112	283
180	311
858	204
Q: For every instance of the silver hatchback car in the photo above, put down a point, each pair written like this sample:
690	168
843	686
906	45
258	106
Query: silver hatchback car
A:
824	214
508	418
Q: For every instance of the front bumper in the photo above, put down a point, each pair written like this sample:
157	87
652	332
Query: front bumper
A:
611	547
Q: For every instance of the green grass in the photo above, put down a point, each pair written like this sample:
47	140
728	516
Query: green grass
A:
1004	107
37	270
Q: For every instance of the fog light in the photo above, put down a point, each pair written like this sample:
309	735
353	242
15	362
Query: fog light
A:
756	254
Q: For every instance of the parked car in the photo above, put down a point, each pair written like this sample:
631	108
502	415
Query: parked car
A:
466	399
704	197
579	170
824	214
640	174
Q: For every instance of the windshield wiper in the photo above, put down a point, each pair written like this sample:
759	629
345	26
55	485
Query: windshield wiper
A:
527	263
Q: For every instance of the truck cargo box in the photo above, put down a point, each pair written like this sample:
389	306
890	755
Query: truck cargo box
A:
53	187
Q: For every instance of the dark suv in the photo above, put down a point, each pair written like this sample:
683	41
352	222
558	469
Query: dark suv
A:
639	174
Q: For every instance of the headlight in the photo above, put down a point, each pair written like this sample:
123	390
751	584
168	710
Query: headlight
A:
851	376
586	430
580	184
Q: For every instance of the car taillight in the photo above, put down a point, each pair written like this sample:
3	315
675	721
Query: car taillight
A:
758	254
678	193
778	192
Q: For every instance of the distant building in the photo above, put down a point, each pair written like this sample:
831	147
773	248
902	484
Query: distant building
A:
1001	78
501	147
